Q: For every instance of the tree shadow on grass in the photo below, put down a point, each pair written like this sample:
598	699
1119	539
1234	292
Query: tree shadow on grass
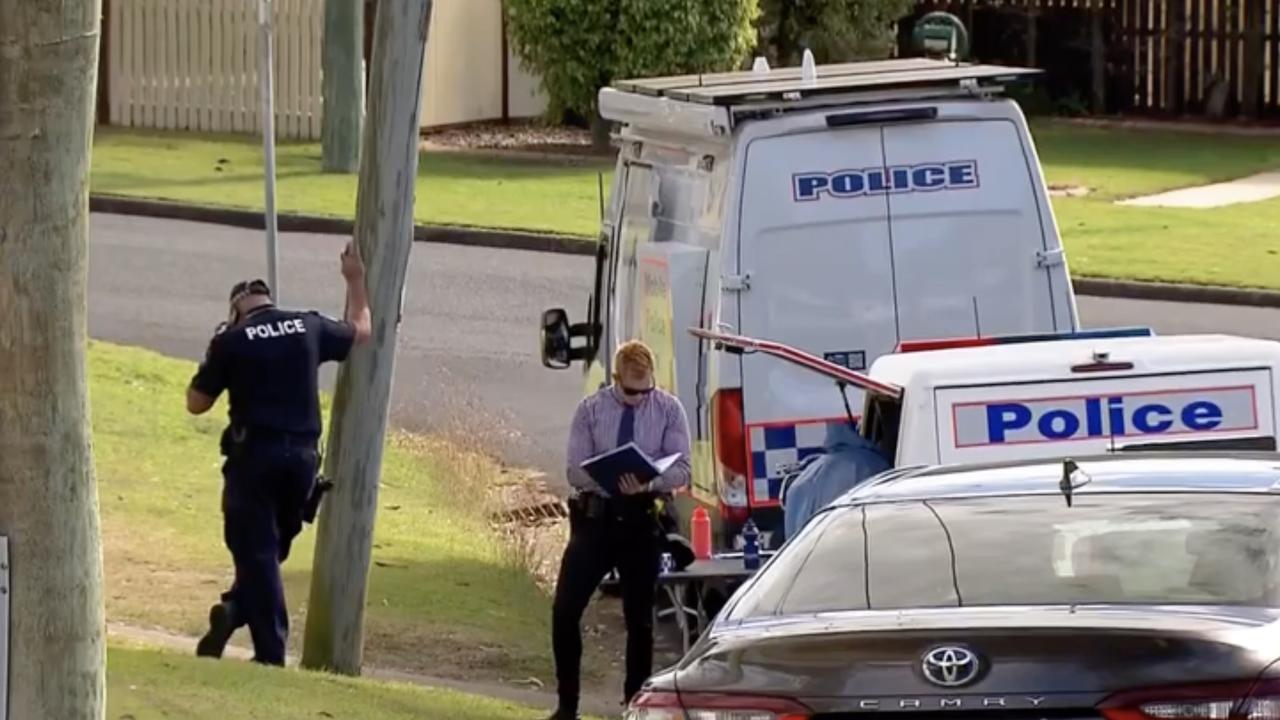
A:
456	618
463	620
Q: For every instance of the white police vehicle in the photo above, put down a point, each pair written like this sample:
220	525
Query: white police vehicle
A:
966	401
840	209
982	400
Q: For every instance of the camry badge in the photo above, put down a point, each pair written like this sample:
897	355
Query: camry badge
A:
951	666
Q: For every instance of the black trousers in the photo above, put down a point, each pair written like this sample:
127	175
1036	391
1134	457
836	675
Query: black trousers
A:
631	542
267	484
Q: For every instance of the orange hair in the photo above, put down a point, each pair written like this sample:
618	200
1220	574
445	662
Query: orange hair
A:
633	354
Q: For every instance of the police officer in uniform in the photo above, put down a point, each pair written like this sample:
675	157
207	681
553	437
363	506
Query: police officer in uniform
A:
267	359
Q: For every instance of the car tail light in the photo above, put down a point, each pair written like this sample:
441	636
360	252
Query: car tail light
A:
708	706
1244	700
731	451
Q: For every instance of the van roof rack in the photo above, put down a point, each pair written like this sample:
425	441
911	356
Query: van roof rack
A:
791	84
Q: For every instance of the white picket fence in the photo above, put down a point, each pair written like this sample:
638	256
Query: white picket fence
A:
193	65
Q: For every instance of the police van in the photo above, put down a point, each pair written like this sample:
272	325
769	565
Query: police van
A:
840	209
980	400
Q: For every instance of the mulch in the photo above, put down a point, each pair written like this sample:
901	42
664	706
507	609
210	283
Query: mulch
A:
516	136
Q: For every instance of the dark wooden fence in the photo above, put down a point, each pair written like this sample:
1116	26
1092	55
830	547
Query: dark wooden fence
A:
1166	57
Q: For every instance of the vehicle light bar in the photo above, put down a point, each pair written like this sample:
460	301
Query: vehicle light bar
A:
908	346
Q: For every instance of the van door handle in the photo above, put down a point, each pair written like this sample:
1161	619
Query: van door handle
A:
736	283
1048	258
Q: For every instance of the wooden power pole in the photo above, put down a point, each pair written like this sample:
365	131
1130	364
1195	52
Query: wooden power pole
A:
48	496
342	60
334	636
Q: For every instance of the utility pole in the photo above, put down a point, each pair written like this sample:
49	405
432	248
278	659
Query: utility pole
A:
266	73
56	654
342	60
334	636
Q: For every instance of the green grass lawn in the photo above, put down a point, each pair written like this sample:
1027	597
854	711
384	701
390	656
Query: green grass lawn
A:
145	684
453	188
1233	246
1236	245
446	597
1119	163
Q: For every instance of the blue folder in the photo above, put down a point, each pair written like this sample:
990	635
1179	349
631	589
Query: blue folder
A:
607	468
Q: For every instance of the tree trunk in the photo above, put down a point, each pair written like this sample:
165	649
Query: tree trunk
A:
334	638
48	493
343	90
785	43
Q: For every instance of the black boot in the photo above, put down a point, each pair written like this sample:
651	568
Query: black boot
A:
221	626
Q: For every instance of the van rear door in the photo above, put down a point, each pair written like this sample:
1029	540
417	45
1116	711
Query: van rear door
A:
816	247
1093	416
966	227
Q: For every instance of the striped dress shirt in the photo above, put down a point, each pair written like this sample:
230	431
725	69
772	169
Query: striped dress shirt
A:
661	429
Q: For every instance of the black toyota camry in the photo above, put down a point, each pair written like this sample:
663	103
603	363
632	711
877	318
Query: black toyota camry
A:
1141	587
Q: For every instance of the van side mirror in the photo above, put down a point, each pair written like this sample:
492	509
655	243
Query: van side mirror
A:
556	348
558	352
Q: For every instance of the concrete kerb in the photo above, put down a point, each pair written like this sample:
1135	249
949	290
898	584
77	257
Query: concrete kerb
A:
285	222
1173	292
538	242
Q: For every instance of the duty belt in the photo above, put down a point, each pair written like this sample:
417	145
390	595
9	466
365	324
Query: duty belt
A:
595	506
261	433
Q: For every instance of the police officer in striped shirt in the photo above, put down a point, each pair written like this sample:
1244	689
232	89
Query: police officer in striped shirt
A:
624	531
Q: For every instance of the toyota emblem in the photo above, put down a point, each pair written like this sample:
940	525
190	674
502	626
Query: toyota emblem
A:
951	666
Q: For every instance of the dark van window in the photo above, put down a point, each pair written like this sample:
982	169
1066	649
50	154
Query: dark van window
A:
1114	549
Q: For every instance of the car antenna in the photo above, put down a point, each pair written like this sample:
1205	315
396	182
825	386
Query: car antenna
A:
977	319
1066	485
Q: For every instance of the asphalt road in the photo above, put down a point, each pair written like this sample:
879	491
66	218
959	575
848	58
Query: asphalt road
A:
467	359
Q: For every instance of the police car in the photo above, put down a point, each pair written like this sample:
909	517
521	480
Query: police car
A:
841	209
1023	398
982	400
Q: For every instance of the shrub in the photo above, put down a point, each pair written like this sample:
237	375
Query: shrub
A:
580	46
835	30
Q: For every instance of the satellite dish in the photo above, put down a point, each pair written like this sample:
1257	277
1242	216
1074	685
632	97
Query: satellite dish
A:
941	35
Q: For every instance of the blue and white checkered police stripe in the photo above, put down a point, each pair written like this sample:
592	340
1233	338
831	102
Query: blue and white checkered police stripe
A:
776	448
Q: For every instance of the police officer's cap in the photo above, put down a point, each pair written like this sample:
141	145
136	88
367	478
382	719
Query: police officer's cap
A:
246	288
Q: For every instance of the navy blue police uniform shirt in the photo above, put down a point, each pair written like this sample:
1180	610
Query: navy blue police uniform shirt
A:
269	363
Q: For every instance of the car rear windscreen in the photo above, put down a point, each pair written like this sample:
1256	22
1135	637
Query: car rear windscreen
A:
1117	548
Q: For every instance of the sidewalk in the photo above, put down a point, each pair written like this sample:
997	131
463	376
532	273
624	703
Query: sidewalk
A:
1255	188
